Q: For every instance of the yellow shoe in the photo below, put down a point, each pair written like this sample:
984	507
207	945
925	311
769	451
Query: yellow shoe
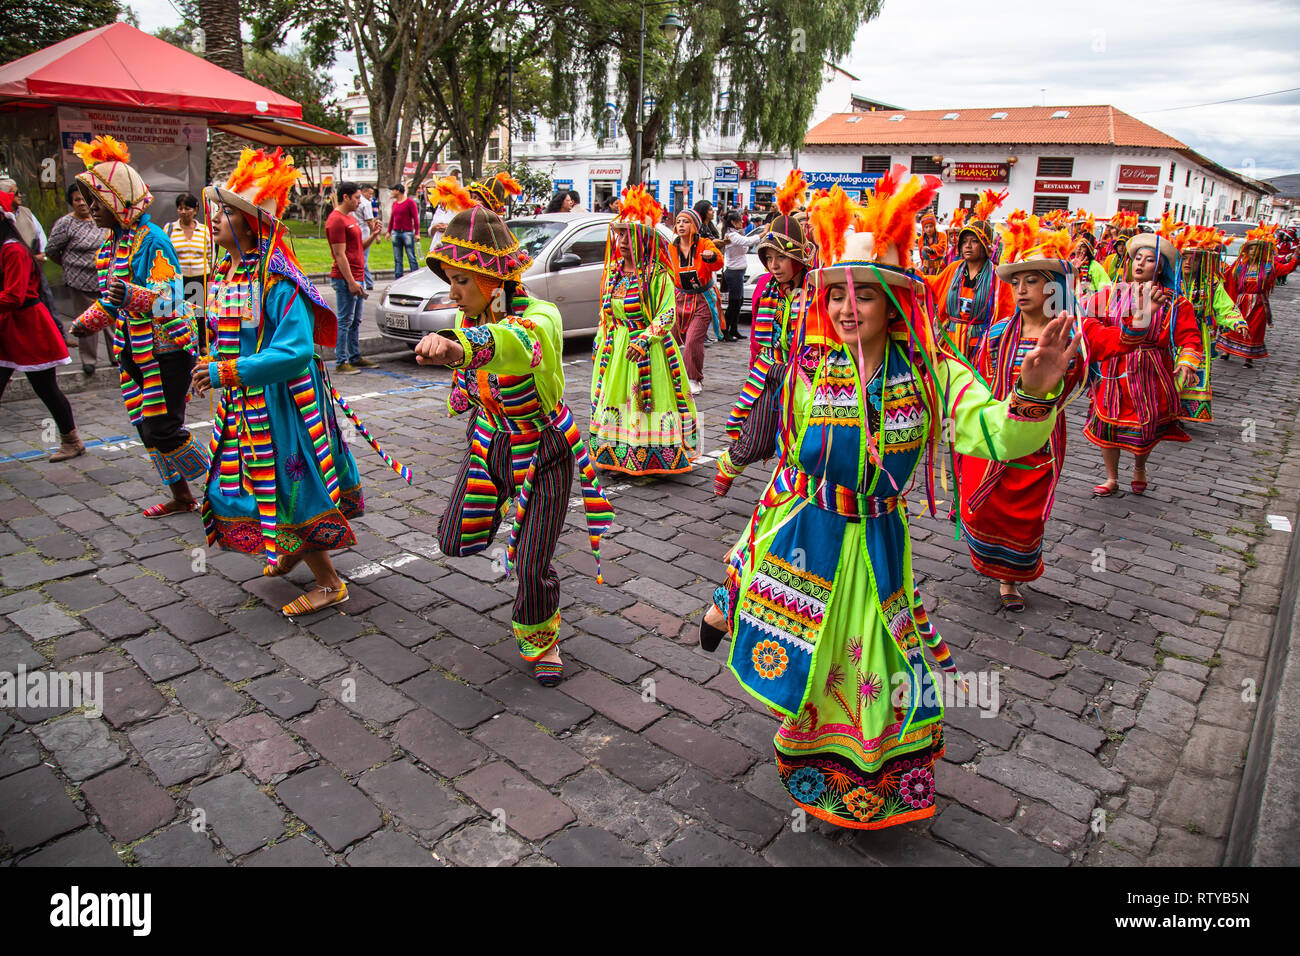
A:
303	605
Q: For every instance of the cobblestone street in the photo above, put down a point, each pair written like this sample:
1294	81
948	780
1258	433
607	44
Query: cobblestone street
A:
405	730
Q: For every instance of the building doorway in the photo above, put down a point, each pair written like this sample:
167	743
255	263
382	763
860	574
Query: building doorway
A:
1138	206
602	190
728	197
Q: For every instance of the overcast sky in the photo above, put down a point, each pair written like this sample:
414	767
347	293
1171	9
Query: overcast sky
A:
1143	56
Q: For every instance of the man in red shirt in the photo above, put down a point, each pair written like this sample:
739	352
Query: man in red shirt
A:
348	275
403	227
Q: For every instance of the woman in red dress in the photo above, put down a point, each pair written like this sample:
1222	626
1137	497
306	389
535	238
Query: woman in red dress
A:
29	340
1136	404
1250	283
1005	505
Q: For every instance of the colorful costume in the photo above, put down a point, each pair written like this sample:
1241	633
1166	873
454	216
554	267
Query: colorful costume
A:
283	481
931	252
1116	257
968	306
523	441
695	297
1202	274
755	418
642	414
827	624
153	329
1250	283
1005	504
1136	404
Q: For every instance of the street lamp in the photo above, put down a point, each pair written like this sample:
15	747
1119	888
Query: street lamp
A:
672	28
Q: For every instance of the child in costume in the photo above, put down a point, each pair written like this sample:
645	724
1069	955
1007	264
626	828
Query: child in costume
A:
284	483
642	414
786	254
1250	283
968	293
1200	260
1136	404
506	350
695	259
826	621
1005	504
143	300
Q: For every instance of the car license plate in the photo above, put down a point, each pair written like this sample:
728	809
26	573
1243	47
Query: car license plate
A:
396	320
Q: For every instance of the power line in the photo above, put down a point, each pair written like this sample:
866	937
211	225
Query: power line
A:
1253	96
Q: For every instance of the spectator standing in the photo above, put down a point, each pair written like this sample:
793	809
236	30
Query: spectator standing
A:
708	229
566	200
74	243
733	271
343	232
30	231
193	244
370	225
403	227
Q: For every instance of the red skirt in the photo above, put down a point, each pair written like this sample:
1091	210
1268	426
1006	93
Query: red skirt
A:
1249	342
30	341
1136	406
1003	526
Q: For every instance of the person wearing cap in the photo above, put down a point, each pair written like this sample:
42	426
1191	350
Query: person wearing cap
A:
506	351
642	413
932	246
142	299
1135	403
1200	260
968	293
284	484
29	340
1005	504
734	251
695	259
827	625
786	253
1250	284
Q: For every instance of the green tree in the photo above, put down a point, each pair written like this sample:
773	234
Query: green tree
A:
749	49
291	74
537	184
30	25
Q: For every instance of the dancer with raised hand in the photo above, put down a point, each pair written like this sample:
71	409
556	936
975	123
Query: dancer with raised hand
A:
142	300
284	483
968	294
507	353
1200	260
1136	404
1005	504
826	621
786	253
642	414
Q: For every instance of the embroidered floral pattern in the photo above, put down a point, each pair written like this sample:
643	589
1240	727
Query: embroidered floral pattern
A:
770	659
917	788
296	467
537	354
806	784
869	686
862	803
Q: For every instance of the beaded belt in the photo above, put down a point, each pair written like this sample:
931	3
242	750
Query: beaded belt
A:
832	497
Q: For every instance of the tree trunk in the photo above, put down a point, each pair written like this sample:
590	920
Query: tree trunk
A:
224	47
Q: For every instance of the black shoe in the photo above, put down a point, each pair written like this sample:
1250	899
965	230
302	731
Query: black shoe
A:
710	636
87	369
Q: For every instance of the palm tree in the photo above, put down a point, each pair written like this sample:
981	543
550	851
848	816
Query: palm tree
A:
223	46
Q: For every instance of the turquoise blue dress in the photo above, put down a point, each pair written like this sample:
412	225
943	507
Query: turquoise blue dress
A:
283	480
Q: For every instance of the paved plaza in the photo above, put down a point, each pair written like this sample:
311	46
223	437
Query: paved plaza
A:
403	729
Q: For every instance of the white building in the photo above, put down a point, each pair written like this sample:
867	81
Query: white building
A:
1096	158
598	167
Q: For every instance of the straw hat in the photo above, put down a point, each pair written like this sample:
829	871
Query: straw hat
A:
111	179
259	185
1027	246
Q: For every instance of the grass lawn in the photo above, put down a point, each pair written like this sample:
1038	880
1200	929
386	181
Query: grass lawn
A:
314	253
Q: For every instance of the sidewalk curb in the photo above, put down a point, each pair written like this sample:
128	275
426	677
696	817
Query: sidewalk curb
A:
1266	815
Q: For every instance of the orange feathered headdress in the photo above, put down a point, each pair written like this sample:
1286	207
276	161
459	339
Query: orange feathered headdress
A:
1263	233
263	180
793	193
988	204
958	217
492	194
449	193
1169	224
1124	221
1055	218
890	212
830	220
1019	235
1084	221
638	205
101	149
1199	239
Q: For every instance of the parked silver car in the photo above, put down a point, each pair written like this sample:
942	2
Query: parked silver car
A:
568	252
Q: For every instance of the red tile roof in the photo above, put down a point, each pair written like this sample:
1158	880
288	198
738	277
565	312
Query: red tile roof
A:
1084	125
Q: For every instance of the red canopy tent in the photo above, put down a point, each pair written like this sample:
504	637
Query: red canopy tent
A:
118	66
